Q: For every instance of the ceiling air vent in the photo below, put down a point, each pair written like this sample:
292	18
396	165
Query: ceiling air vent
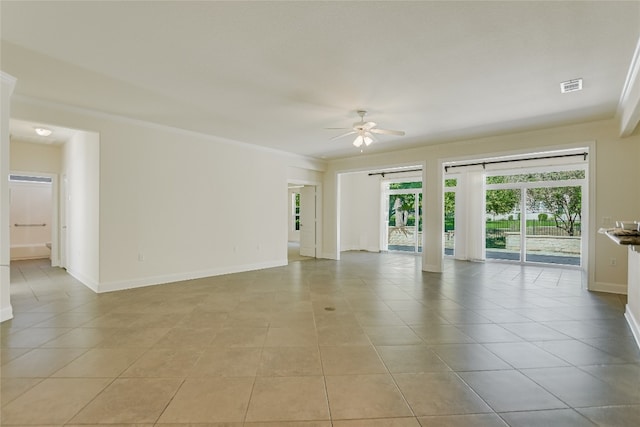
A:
571	86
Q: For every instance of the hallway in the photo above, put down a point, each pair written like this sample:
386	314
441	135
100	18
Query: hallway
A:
370	340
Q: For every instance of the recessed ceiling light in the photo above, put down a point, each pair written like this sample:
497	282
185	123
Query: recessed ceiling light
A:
571	86
43	131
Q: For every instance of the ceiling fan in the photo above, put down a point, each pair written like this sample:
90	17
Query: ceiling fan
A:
365	130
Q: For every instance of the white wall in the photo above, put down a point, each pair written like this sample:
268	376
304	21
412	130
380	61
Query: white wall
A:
81	172
176	205
614	166
360	212
31	157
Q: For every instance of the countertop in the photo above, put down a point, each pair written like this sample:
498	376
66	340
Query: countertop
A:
624	237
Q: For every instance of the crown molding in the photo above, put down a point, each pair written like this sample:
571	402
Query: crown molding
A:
628	111
319	164
8	80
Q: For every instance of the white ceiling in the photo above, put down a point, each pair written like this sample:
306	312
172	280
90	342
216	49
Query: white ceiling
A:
277	74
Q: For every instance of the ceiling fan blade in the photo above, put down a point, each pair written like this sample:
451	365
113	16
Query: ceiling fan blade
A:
364	125
343	135
388	132
337	128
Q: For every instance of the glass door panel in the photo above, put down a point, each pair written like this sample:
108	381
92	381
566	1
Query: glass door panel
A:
402	234
502	226
449	222
553	233
419	236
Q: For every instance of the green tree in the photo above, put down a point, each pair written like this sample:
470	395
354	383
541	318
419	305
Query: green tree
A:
564	202
449	203
449	210
405	185
501	202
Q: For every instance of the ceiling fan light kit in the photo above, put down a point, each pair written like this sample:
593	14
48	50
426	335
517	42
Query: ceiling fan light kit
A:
367	140
365	130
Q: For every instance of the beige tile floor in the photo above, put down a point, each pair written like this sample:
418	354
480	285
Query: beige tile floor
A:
366	341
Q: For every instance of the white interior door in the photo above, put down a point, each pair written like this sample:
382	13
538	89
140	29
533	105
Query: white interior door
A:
64	197
308	221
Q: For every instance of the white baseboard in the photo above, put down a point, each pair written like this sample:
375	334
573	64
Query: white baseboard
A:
191	275
6	313
634	324
432	268
85	280
611	288
327	255
359	249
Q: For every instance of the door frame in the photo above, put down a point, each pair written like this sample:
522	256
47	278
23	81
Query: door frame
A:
55	217
318	216
386	193
309	221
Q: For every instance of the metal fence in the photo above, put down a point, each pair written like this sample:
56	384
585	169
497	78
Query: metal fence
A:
496	230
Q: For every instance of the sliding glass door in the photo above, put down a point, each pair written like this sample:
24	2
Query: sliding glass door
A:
403	216
535	217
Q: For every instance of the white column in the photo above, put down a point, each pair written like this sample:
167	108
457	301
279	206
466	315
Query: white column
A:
433	221
8	84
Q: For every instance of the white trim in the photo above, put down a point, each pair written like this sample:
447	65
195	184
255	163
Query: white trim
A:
612	288
628	111
431	268
634	68
589	244
6	313
634	324
8	83
313	163
32	245
372	249
120	285
85	280
329	255
9	80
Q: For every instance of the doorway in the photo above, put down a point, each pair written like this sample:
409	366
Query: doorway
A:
302	222
308	221
33	217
